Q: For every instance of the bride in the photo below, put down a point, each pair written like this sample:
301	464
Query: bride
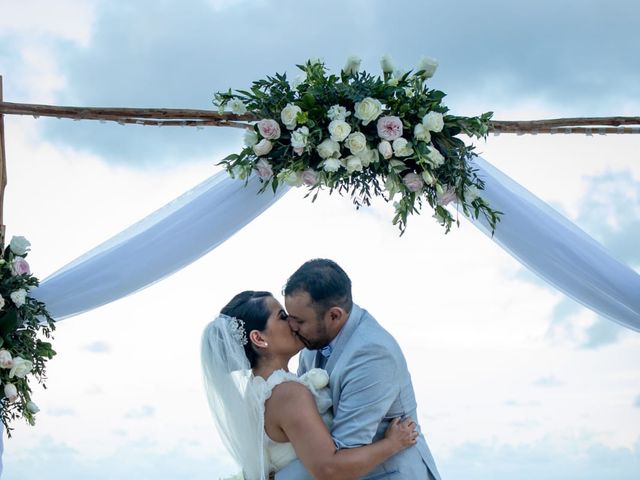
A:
267	416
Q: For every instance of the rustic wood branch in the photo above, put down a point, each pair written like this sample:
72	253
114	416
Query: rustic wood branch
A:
205	118
3	173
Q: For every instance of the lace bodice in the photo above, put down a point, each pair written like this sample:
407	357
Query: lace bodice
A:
279	454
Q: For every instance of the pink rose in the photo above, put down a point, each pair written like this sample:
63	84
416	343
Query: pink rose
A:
309	177
413	182
298	150
448	196
5	359
11	392
265	172
269	129
19	266
389	128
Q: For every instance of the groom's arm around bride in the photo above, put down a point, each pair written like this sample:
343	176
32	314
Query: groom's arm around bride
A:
369	380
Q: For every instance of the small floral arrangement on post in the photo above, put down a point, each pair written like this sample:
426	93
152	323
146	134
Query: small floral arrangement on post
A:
363	135
23	321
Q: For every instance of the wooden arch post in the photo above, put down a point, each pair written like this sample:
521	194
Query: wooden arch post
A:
3	172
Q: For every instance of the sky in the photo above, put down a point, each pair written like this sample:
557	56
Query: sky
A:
513	379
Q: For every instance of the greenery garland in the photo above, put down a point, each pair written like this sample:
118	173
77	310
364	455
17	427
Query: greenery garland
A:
23	322
362	135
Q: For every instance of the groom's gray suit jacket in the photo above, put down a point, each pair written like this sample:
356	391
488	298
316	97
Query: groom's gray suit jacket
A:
370	385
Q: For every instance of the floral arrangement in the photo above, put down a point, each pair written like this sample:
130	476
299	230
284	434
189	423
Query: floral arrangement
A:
363	135
23	320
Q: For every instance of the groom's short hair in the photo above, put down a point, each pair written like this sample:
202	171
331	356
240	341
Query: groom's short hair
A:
325	281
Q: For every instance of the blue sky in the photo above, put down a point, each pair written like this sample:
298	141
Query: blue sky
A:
514	380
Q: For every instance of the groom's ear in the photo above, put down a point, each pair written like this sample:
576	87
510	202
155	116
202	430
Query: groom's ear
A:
337	314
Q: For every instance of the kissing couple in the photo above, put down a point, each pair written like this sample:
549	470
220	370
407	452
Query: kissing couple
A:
349	413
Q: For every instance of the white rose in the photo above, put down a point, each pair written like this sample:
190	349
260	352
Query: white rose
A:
20	367
331	164
237	106
352	66
353	164
19	245
356	142
5	359
421	132
434	121
401	147
19	297
429	65
368	110
329	148
1	303
385	149
435	157
250	138
317	378
32	407
300	137
386	64
471	193
289	114
337	112
368	156
11	392
339	130
263	147
299	80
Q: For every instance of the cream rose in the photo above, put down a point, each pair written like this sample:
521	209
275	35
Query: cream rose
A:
6	361
11	392
356	142
353	164
19	245
434	121
20	367
353	65
385	149
300	137
32	407
422	133
331	164
289	115
2	302
386	64
428	178
19	297
368	156
263	147
269	129
328	148
265	171
337	112
368	110
237	106
402	148
435	157
429	65
339	130
250	138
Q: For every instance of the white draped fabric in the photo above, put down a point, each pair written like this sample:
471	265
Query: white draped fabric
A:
174	236
157	246
548	244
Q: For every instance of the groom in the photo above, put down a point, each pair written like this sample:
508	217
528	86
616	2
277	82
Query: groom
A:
368	376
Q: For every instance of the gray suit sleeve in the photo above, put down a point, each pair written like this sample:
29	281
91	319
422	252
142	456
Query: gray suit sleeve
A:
369	386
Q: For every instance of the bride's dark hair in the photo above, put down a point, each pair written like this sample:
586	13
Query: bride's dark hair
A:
250	307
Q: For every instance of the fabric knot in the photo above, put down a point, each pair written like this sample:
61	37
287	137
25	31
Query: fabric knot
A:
326	351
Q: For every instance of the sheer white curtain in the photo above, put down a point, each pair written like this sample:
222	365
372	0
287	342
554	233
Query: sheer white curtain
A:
548	244
157	246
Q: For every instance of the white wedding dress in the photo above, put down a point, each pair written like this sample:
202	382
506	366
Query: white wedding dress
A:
279	454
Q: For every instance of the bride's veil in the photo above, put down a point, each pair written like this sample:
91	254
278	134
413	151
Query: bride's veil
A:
236	406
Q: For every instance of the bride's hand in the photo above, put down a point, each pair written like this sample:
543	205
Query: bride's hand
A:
402	433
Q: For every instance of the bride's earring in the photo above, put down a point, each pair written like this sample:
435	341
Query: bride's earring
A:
266	344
